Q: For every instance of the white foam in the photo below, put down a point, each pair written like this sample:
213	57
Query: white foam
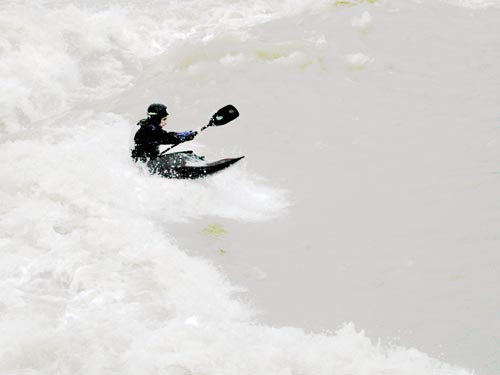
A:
92	283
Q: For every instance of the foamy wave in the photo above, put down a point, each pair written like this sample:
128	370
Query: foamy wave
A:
67	165
54	55
91	282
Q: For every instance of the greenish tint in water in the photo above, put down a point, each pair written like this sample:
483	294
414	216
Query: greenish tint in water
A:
214	230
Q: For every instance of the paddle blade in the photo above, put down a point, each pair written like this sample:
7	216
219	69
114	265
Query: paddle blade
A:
224	115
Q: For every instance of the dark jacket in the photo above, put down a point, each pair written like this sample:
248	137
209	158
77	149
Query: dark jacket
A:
150	136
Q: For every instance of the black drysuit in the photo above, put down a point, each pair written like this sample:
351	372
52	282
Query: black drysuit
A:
150	136
148	139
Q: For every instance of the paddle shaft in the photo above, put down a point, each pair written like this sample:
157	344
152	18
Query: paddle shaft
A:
221	117
177	144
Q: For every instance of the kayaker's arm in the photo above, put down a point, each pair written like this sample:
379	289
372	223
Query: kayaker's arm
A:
163	137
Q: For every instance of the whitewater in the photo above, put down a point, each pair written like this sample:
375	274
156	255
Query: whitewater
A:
359	235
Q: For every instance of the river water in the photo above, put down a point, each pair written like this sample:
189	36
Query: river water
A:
360	234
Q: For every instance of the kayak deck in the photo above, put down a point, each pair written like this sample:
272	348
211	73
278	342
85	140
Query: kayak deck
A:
187	165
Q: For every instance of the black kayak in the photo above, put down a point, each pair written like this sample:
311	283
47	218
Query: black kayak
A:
187	165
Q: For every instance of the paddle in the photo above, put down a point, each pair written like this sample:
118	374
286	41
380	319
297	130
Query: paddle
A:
221	117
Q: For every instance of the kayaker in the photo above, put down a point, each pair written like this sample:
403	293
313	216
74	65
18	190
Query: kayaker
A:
151	134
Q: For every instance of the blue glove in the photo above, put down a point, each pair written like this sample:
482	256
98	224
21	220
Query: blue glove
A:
187	135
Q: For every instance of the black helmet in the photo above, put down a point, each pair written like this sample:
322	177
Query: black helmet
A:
157	111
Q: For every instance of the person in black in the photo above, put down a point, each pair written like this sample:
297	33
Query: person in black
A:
151	135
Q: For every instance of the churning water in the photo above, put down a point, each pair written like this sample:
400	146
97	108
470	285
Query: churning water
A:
373	124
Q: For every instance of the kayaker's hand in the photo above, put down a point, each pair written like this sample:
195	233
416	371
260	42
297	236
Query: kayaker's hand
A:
187	136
